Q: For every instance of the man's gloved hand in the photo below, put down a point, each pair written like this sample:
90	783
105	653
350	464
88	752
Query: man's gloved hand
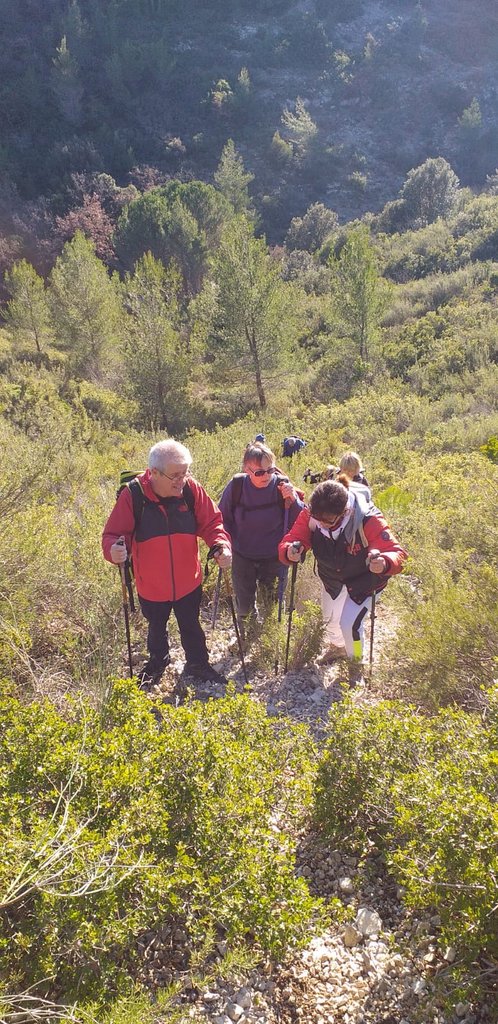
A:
223	557
118	551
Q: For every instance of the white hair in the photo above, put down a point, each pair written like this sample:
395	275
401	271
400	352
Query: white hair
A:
168	451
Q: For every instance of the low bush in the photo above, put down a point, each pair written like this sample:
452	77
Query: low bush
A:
112	826
423	790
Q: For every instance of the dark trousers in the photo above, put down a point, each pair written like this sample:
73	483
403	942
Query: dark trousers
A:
247	573
192	636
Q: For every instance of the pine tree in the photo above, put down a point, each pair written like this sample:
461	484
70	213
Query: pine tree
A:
231	178
85	306
156	358
252	324
359	292
27	313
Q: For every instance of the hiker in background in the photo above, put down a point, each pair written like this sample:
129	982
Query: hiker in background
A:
260	437
175	511
291	446
256	505
350	463
350	466
356	554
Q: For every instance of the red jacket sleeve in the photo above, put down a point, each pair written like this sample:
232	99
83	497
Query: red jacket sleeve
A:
208	518
299	531
379	536
121	522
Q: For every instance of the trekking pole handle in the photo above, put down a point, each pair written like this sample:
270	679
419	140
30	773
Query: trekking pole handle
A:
372	556
121	543
296	547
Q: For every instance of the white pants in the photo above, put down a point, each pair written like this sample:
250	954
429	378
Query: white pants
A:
344	621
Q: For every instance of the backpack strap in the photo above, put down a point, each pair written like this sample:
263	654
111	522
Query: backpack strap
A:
237	485
188	497
138	500
363	538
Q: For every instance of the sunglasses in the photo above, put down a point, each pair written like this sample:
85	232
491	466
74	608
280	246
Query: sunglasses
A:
263	472
330	523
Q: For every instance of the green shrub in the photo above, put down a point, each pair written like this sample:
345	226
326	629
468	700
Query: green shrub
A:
305	639
445	855
111	827
367	750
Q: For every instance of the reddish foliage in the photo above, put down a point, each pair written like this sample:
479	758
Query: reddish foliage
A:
93	221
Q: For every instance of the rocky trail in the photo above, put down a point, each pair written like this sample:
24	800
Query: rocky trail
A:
375	967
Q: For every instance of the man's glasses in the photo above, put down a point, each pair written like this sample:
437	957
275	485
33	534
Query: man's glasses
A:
262	472
176	478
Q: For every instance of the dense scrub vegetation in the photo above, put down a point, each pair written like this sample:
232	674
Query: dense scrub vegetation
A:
156	306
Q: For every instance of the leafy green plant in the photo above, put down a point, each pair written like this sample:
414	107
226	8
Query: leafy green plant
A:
112	827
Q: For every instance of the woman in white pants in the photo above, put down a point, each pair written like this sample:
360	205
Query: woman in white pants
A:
356	554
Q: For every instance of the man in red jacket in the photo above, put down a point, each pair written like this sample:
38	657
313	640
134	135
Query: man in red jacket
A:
157	519
356	554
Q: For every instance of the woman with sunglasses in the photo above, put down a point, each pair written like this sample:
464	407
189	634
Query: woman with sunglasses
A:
256	518
356	554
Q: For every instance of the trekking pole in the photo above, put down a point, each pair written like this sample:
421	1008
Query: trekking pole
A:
237	629
124	590
372	627
297	547
216	598
372	554
282	579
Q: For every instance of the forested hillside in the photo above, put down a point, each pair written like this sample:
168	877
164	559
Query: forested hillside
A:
217	222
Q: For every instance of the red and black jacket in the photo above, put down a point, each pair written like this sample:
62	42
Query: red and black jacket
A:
164	544
341	561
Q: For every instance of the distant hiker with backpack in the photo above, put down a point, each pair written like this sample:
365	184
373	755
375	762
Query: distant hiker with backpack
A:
256	504
356	554
160	514
291	446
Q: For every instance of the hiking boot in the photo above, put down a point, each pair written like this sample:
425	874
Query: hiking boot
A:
204	674
152	672
332	653
355	674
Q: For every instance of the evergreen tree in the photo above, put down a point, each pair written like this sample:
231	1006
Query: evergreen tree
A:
251	324
231	178
156	357
430	191
27	313
359	293
85	306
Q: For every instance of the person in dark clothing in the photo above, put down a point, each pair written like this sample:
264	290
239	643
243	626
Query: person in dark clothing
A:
267	506
175	511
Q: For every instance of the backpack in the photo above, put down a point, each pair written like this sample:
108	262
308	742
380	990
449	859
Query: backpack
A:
292	445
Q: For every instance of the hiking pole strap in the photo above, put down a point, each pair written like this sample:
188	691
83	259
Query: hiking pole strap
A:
291	609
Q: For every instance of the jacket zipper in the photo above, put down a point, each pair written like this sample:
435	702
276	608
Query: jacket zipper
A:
173	586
